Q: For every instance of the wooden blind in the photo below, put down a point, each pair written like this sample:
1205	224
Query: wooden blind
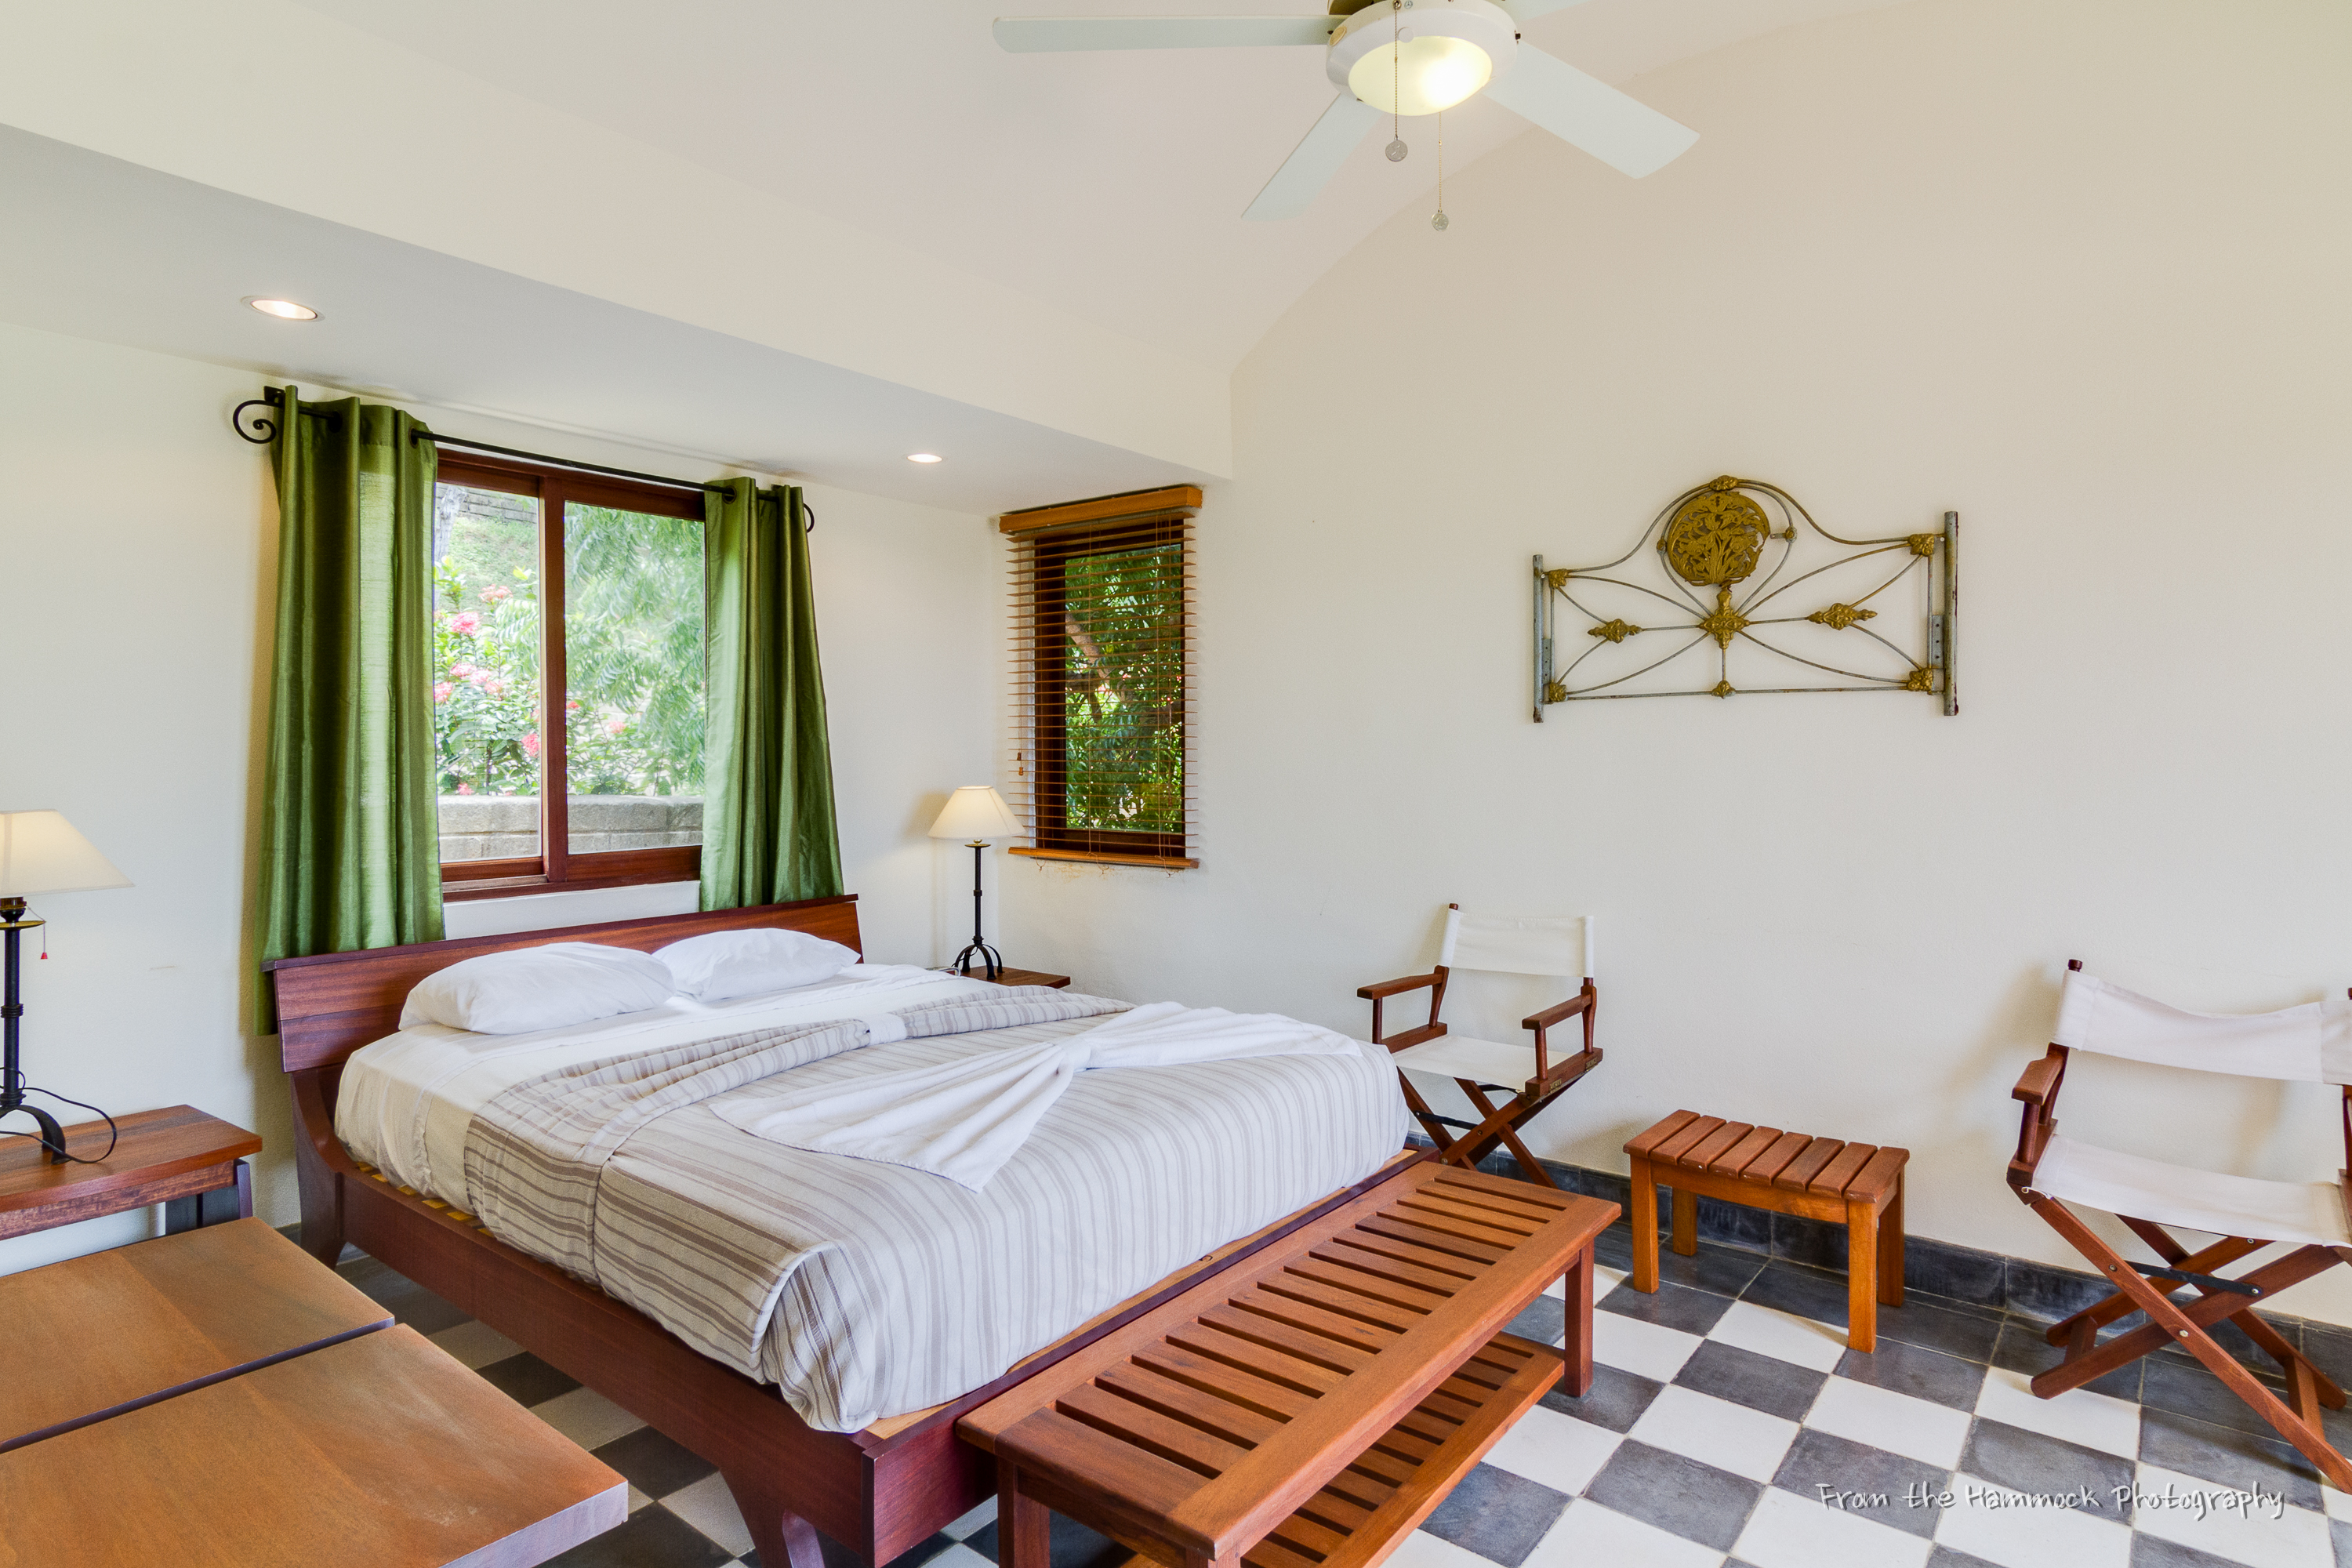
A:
1101	748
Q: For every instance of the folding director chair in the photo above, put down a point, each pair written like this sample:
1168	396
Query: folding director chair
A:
2310	1044
1560	945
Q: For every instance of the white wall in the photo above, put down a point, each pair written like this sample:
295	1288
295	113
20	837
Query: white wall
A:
137	550
2075	270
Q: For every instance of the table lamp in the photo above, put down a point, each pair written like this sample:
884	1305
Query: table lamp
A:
39	853
977	813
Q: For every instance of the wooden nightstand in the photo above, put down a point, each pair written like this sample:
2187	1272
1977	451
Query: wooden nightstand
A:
1005	976
182	1158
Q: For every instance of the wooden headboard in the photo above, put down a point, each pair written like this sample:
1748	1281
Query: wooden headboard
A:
330	1004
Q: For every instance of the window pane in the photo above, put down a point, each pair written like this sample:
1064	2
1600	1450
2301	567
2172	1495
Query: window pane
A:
486	671
1123	690
634	669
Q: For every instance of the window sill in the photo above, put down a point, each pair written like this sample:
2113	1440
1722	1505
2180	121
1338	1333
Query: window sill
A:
1105	858
584	873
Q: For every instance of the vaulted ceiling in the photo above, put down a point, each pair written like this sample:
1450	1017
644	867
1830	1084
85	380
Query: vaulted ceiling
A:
796	236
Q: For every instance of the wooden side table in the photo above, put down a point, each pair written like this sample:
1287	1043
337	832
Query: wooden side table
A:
1021	977
191	1163
1860	1184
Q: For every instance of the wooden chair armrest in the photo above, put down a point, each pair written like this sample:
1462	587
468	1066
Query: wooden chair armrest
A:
2039	1081
1554	1014
1392	987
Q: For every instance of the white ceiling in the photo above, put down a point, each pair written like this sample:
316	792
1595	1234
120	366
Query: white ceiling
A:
799	236
1110	183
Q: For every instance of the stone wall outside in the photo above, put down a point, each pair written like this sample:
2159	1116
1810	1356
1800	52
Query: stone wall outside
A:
505	826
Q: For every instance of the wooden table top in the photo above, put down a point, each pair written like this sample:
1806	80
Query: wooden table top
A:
153	1144
94	1336
380	1449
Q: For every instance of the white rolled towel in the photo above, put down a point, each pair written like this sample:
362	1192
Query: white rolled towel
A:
962	1120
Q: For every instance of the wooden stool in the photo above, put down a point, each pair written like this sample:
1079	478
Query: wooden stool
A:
1311	1407
1859	1184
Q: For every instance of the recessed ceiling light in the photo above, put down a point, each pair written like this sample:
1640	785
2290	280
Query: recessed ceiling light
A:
922	456
284	309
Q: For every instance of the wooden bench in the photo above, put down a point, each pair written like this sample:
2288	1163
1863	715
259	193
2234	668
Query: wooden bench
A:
1309	1408
216	1399
1859	1186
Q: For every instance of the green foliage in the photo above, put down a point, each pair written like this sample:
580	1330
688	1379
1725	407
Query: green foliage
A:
632	645
1123	690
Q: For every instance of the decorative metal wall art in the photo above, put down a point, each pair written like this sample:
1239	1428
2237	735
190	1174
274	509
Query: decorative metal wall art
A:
1818	619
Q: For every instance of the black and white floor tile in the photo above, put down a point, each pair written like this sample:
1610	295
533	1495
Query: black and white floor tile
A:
1727	1426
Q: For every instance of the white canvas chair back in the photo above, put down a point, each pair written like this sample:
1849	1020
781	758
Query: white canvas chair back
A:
1519	944
2310	1044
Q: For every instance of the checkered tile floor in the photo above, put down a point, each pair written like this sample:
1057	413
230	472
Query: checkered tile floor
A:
1728	1425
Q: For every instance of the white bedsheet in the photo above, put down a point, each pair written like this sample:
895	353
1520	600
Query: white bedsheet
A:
407	1100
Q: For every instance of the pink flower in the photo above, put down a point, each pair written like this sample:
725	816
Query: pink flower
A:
572	707
530	745
462	671
614	727
467	624
493	688
495	593
442	690
464	789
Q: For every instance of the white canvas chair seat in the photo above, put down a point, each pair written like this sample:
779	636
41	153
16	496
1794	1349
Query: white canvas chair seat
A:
2307	1212
1480	1061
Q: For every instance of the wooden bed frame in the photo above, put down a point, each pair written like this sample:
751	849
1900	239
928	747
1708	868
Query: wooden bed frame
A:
878	1492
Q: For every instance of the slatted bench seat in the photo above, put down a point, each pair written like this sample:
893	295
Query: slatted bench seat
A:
1859	1186
1309	1408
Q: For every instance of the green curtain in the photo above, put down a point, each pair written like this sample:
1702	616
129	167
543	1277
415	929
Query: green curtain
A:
349	856
768	831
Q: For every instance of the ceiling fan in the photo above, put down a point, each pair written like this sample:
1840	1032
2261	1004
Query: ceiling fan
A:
1395	56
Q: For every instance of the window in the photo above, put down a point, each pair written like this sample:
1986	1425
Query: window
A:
547	581
1102	698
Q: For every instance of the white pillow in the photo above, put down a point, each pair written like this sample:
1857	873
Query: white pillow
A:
745	962
536	988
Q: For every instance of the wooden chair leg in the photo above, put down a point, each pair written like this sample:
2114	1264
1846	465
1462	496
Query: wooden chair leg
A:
1645	1226
2167	1319
1575	1378
1024	1527
1890	1248
1862	1283
1421	1114
1685	1223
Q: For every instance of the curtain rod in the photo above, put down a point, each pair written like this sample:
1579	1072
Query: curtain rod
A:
265	430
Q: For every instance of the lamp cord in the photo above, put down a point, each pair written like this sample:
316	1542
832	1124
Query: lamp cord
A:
113	1134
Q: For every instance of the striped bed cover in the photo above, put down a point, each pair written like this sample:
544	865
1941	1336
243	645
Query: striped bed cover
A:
865	1290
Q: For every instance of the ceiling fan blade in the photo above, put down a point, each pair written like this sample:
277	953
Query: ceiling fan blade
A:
1315	159
1030	35
1585	111
1528	10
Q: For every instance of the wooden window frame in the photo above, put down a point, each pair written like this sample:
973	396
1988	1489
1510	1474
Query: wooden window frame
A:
1051	537
556	870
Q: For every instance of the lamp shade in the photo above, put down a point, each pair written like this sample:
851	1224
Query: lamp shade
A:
976	811
41	853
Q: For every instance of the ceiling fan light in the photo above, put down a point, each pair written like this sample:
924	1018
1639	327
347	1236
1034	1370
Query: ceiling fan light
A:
1421	75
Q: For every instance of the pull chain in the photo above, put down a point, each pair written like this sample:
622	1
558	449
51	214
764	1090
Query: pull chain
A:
1396	73
1438	223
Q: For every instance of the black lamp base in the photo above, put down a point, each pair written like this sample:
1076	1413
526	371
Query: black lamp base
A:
53	1137
991	965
